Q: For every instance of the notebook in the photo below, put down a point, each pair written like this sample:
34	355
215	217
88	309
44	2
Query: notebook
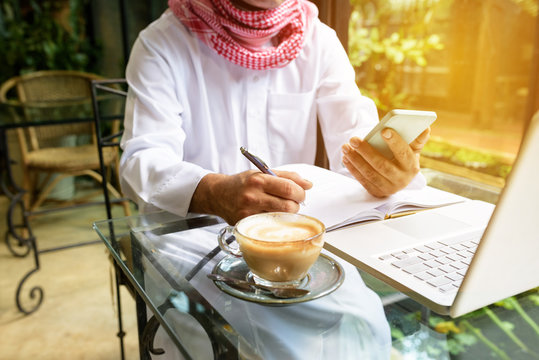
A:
457	258
338	200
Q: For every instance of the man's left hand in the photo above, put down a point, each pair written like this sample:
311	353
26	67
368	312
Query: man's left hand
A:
379	175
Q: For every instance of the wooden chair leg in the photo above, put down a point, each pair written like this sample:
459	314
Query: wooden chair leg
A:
47	190
27	184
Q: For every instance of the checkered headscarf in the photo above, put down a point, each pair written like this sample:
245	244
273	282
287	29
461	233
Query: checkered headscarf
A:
240	35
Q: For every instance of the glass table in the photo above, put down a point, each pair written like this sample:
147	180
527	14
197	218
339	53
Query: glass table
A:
158	255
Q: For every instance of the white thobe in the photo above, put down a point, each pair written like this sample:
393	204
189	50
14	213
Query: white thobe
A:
188	112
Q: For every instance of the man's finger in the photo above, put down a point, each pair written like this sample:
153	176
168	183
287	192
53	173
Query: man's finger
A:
284	188
368	185
295	177
403	153
369	176
420	141
364	152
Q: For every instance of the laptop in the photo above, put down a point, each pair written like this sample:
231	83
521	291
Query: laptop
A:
457	258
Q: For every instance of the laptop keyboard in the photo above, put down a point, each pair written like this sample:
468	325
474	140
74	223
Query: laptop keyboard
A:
441	264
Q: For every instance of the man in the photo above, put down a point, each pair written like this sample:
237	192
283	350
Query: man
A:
211	76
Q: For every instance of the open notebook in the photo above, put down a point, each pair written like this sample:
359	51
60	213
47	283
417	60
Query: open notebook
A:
460	257
338	200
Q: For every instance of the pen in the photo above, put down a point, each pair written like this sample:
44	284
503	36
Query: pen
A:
261	165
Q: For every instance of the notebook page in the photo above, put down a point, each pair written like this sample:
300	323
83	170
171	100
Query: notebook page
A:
337	200
334	198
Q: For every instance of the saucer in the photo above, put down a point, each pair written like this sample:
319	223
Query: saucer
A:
324	277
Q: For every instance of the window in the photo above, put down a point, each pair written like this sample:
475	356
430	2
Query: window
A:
472	61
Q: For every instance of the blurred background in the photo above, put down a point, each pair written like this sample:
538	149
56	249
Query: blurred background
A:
474	62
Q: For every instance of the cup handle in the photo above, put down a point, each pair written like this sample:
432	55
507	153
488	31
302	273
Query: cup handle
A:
224	234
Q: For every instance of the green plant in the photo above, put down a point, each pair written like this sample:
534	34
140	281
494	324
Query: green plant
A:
478	160
39	36
475	159
383	38
462	333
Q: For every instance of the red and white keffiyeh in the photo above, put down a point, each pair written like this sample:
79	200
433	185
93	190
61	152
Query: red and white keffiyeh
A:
240	35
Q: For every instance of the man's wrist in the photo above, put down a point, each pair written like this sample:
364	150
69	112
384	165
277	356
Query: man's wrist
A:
206	195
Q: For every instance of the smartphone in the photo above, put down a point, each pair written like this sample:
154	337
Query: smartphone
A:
407	123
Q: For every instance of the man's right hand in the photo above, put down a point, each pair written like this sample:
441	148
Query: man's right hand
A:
234	197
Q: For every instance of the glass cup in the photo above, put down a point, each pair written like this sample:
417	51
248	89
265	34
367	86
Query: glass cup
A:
279	248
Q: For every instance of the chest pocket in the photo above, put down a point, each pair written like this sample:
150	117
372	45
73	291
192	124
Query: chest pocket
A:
291	124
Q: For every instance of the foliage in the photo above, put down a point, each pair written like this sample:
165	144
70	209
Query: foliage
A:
383	38
37	37
505	328
483	161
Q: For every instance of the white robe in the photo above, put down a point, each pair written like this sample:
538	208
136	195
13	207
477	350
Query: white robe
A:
189	111
187	114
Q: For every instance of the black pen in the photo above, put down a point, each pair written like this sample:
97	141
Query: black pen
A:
258	162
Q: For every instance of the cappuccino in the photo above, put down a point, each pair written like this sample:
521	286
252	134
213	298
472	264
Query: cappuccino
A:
279	248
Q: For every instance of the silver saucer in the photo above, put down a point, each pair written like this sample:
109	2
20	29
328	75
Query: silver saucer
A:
324	277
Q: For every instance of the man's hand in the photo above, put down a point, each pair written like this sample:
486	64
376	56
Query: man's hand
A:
379	175
234	197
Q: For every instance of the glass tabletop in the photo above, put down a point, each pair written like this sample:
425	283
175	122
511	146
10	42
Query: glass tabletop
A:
133	242
167	259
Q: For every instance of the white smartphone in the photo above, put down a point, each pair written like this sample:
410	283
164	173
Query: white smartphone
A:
407	123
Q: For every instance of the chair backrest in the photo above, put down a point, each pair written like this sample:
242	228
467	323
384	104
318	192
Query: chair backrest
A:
55	90
50	85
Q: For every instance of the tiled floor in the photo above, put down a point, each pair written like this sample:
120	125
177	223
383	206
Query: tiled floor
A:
77	319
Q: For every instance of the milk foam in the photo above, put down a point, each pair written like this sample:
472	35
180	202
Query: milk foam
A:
279	227
281	231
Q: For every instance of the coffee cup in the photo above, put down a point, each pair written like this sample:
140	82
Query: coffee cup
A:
279	248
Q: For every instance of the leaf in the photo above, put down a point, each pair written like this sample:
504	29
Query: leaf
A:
509	326
505	303
408	44
421	61
445	327
465	338
49	48
433	39
434	320
534	299
398	57
455	347
396	333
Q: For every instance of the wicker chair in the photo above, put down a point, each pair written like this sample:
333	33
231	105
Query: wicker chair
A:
56	93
